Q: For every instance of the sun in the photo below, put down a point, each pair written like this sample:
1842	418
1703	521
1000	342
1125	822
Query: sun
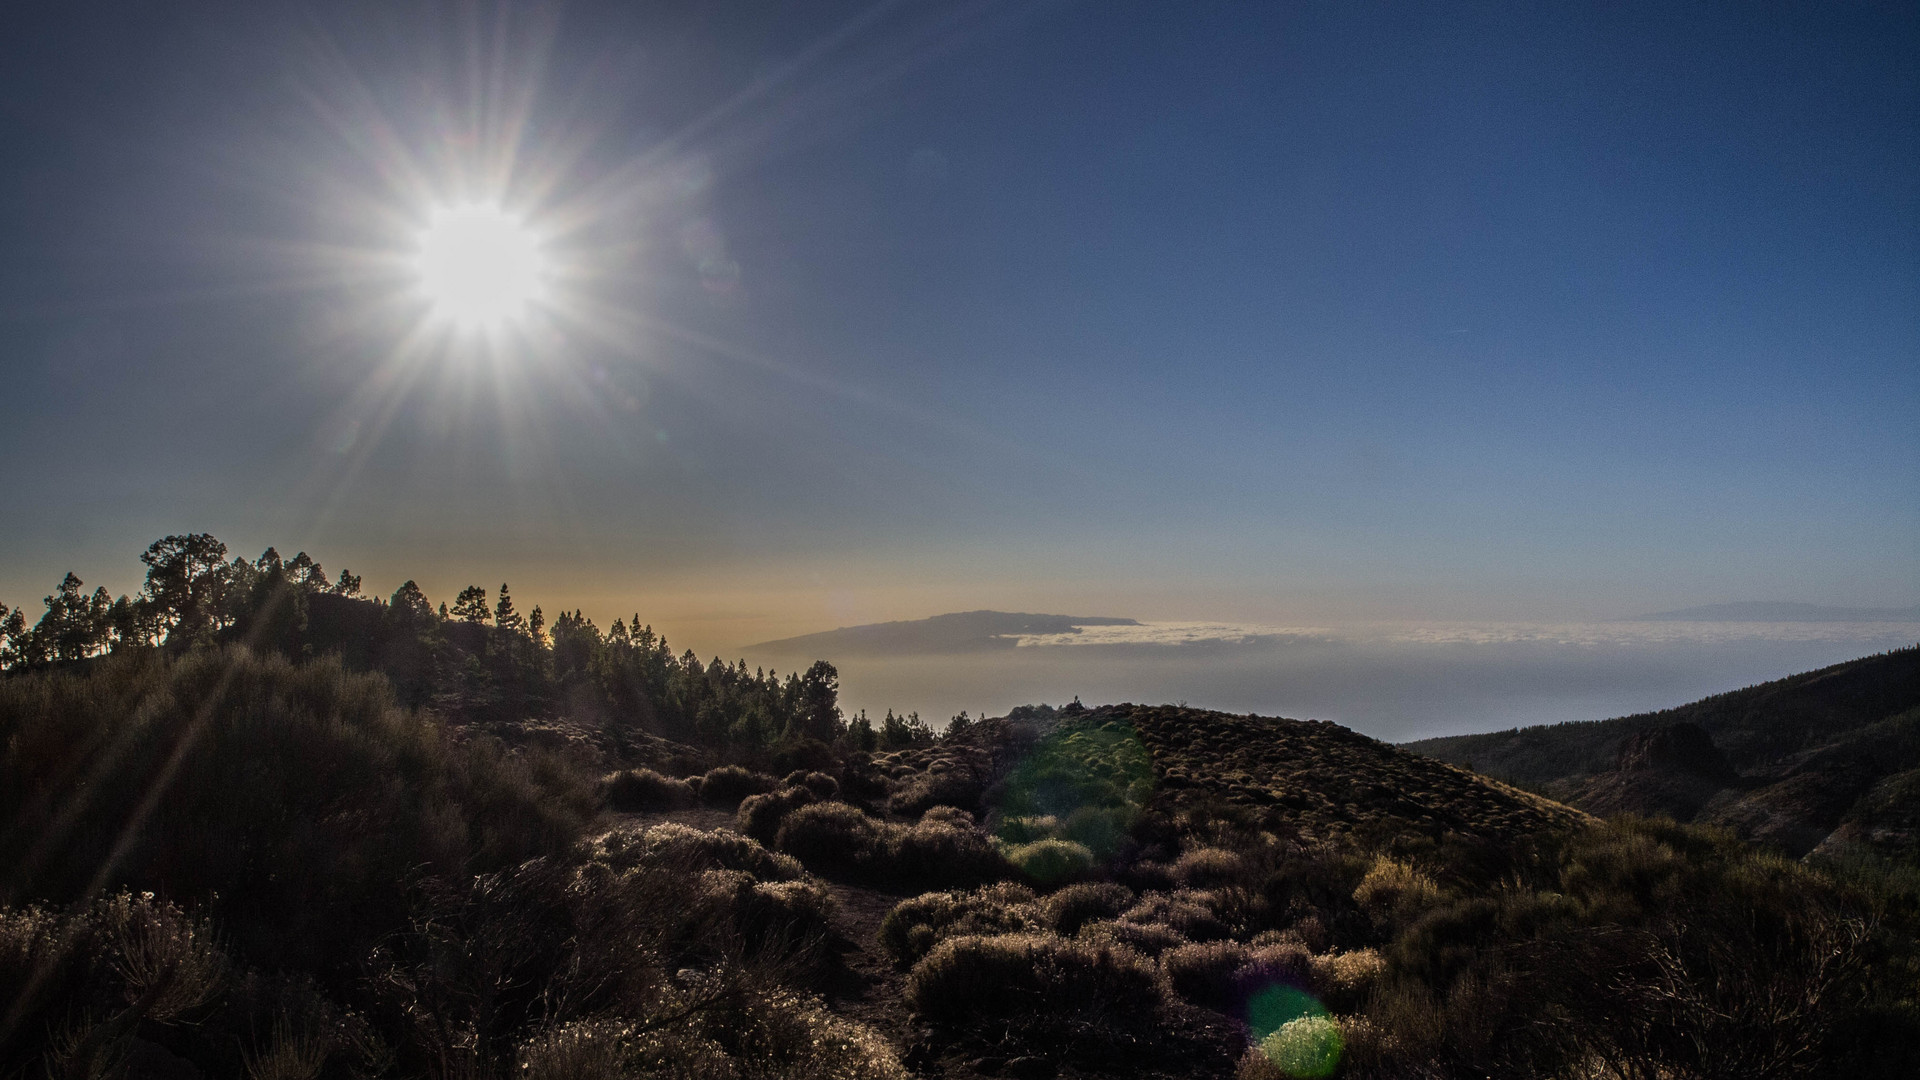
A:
479	266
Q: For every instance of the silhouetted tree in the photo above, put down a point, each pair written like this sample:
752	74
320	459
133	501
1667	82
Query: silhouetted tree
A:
814	712
410	605
505	617
471	605
186	586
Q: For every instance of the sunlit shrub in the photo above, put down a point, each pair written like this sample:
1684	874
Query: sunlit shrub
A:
837	838
760	816
673	846
936	853
1031	976
915	926
823	785
1206	868
948	815
727	785
1072	907
1182	911
633	790
1345	979
1051	861
1147	939
830	836
1395	892
1203	973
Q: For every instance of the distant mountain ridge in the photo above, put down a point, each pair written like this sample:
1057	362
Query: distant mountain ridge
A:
1822	759
1781	611
961	631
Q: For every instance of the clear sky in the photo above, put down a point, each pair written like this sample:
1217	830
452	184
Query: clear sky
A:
1284	312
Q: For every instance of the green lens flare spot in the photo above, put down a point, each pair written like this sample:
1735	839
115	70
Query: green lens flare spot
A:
1294	1031
1308	1048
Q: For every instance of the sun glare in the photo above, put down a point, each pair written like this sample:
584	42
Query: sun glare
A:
479	266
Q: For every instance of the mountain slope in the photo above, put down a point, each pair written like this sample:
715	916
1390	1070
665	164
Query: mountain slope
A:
1788	761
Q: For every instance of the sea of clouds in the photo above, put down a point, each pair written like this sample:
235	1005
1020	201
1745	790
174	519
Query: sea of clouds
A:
1394	681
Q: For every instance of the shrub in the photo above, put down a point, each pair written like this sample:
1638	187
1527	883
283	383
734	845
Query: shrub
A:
1027	976
1345	979
957	787
824	786
124	960
785	920
937	854
1051	861
1182	911
1395	892
948	815
1206	868
1203	973
299	795
837	838
755	1032
634	790
760	816
677	847
727	785
830	836
915	926
1069	909
1147	939
1307	1047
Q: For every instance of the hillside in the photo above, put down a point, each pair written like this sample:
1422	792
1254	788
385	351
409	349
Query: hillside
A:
1816	757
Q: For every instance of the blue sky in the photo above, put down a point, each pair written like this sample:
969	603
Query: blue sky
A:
1277	312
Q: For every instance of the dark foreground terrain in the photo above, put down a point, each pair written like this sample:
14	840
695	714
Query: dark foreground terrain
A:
253	825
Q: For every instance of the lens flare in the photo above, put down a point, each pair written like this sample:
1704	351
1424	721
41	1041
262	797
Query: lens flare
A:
479	266
1070	803
1295	1032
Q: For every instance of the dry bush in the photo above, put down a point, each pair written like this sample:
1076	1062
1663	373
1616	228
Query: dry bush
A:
830	837
727	785
823	785
1147	939
1345	979
1207	868
79	986
937	853
760	816
1203	973
1186	912
1051	861
635	790
1072	907
915	926
1393	892
836	838
753	1032
787	921
948	815
672	846
1028	976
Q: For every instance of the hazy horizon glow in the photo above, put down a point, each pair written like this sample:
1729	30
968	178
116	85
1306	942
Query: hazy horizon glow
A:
1235	315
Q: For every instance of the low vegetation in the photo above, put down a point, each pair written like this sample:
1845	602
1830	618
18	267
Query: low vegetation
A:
246	839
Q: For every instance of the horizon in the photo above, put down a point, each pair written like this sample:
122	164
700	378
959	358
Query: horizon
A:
814	318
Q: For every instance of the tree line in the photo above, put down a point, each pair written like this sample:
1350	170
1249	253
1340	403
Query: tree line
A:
478	659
